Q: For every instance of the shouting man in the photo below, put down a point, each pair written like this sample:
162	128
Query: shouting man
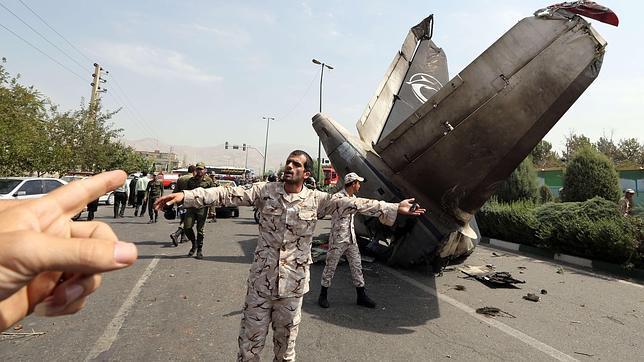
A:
279	274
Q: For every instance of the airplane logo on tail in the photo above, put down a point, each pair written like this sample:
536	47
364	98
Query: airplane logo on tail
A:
420	81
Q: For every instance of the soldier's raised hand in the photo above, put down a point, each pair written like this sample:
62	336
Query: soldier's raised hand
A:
48	263
410	207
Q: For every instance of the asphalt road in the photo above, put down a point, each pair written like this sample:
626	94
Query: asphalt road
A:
171	307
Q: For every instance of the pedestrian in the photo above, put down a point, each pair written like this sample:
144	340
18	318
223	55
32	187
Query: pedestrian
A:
626	203
131	200
92	207
120	199
141	186
343	242
197	215
179	236
153	191
279	274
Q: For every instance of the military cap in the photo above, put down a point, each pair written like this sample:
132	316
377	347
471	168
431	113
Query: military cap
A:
201	165
349	178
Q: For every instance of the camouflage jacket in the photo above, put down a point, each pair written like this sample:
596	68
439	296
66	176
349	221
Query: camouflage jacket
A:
342	230
182	183
280	266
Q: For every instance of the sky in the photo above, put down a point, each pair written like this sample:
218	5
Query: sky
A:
205	72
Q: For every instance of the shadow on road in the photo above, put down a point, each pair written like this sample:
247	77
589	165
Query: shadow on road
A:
400	306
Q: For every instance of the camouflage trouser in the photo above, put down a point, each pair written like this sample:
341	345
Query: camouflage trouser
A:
259	312
333	257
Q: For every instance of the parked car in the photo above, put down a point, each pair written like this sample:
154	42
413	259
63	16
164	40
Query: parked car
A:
227	211
24	188
107	199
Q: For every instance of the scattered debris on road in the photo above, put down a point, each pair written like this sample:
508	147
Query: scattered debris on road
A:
493	312
560	270
611	318
585	354
544	292
171	275
22	334
459	287
499	280
494	253
531	297
17	327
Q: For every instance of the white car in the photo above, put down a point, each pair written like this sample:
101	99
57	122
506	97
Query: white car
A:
107	199
21	188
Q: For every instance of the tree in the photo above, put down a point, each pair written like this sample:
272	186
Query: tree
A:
37	138
589	174
521	185
574	143
544	156
629	151
607	147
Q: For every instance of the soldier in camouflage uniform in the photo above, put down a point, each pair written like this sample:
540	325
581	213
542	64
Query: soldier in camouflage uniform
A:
197	215
279	274
343	242
153	191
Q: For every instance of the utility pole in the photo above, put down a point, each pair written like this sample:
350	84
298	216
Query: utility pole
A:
96	89
322	66
268	122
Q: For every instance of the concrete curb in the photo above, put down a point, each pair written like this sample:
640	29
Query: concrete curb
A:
637	274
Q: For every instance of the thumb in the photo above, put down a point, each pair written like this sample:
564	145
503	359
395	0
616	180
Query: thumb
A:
80	255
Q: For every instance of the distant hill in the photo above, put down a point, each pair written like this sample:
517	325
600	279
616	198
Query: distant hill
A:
217	155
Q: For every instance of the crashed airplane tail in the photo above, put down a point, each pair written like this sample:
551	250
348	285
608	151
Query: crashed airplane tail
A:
453	150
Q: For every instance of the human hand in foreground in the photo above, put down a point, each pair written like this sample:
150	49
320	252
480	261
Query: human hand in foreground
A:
50	264
409	207
172	199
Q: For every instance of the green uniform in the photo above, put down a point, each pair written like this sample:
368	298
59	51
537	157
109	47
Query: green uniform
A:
153	191
195	215
182	183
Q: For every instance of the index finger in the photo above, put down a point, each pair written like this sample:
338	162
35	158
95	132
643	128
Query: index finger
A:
71	198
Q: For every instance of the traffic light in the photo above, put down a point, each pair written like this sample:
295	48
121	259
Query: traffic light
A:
226	145
244	147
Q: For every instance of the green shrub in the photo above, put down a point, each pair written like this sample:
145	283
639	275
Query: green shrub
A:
592	229
545	195
521	185
590	174
513	222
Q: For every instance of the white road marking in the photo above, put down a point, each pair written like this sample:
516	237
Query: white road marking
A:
549	350
111	331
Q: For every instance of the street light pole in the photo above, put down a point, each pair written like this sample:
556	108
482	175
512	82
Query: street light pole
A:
322	66
268	122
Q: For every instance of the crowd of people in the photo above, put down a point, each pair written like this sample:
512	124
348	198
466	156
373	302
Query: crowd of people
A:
279	274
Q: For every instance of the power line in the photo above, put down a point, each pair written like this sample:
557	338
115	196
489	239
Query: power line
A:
134	109
45	54
297	104
42	36
54	30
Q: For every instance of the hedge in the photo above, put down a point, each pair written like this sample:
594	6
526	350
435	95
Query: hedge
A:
591	229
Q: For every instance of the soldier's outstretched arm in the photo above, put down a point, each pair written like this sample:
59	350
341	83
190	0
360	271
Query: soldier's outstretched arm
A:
385	211
217	196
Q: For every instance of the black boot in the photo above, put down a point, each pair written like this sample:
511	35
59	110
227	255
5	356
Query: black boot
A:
363	299
199	247
175	237
192	249
322	301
